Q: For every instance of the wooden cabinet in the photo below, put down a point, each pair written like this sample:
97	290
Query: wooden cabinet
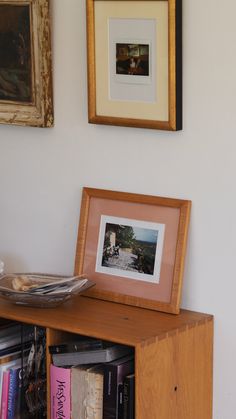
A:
173	353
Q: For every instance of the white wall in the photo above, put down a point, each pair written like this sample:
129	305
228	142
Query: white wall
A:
42	171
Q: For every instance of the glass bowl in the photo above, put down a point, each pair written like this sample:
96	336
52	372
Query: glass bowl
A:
31	294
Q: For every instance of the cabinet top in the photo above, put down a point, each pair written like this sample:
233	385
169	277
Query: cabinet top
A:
106	320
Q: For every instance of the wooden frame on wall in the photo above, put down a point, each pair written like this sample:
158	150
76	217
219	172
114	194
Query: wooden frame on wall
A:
149	33
133	246
25	63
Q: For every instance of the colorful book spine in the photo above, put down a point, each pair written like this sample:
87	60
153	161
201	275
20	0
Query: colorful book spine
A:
13	393
60	380
5	367
5	390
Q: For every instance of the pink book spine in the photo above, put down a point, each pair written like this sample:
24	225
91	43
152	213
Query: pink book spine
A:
60	381
5	389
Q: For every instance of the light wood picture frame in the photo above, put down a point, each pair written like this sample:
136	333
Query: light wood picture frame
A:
133	246
135	63
25	63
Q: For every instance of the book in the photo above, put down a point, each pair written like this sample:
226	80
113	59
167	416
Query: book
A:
12	349
15	377
76	346
87	392
9	329
14	354
60	385
14	339
93	356
7	366
114	374
76	392
18	382
128	397
13	390
8	341
4	398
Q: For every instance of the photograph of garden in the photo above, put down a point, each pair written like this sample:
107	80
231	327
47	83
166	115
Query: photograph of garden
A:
129	248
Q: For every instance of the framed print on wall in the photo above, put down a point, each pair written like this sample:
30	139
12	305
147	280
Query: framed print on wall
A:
25	63
133	246
135	63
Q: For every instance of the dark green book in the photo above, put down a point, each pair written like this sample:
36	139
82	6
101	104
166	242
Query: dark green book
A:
129	397
114	375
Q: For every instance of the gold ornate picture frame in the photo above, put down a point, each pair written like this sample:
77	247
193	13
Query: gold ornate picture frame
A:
133	246
135	63
25	63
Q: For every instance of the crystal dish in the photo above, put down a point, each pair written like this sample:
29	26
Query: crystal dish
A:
41	290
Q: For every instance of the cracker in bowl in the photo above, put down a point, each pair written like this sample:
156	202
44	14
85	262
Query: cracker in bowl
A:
22	283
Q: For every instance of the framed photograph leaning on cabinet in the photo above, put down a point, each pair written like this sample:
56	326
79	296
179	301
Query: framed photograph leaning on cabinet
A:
135	63
133	247
25	63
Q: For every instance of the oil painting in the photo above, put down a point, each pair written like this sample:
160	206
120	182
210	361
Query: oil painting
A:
25	63
15	53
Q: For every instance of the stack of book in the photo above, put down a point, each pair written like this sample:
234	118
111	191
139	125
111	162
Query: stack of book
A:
92	378
12	360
